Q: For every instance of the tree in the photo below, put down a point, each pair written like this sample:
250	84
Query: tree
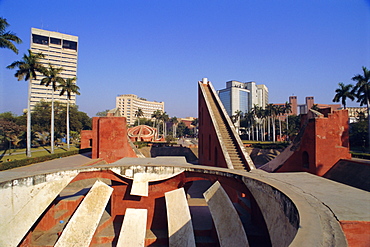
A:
362	92
156	115
53	78
236	119
69	86
164	118
287	110
344	92
195	124
7	38
102	113
274	113
27	68
247	122
10	132
174	122
280	112
182	129
139	113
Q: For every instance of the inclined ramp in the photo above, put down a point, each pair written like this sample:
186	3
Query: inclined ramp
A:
232	147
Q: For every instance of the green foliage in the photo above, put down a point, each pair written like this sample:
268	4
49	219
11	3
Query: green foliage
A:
144	121
344	92
7	38
170	138
29	161
102	113
41	118
294	125
358	135
14	127
360	155
10	131
182	129
277	145
141	144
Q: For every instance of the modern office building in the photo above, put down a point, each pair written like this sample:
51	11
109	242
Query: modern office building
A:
60	50
128	104
242	96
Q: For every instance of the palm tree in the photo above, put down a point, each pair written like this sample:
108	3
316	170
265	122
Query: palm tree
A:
52	78
280	112
174	122
362	92
344	92
156	115
27	68
164	118
269	109
139	113
249	118
68	86
287	110
7	38
274	113
257	112
237	116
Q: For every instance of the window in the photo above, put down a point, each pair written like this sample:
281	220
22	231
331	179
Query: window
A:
70	45
55	41
38	39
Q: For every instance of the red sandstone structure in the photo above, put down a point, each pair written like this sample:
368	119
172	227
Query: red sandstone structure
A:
324	142
108	139
49	208
142	133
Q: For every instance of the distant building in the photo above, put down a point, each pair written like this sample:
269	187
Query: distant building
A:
242	96
355	112
187	121
310	102
60	50
128	104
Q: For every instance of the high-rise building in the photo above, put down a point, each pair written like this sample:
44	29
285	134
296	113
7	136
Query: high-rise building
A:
59	50
242	96
128	104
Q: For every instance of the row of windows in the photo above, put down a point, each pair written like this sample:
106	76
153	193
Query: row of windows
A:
44	40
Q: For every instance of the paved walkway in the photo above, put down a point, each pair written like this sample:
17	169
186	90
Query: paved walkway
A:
47	166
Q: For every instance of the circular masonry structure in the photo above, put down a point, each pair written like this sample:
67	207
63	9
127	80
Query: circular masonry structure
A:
162	201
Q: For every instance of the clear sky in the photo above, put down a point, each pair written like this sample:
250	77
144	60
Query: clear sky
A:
160	49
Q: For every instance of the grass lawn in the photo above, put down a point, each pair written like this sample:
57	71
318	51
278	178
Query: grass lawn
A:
18	154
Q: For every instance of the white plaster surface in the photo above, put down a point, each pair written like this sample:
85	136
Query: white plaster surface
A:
229	228
133	228
141	182
15	226
180	228
81	227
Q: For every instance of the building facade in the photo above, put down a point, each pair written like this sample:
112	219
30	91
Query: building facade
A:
59	50
242	96
128	104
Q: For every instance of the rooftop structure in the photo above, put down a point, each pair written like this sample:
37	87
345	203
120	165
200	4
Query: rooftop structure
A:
128	104
309	103
60	50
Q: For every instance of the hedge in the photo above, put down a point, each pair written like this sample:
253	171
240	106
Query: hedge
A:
28	161
280	145
361	155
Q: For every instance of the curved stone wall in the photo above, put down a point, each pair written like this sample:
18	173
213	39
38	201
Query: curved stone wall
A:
292	217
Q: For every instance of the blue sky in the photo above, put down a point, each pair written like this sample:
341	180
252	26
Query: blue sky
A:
159	49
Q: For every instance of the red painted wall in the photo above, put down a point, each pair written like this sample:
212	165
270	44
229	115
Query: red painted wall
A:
209	148
324	142
357	233
86	136
109	139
